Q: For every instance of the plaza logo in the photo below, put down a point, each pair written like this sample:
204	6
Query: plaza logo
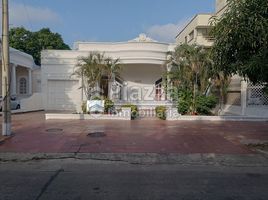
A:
133	93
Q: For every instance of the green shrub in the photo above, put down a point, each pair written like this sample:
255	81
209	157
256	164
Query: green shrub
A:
183	106
161	112
184	100
96	98
134	110
265	90
204	104
108	106
84	107
201	105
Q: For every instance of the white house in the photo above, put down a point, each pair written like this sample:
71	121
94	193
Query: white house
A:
22	71
141	80
143	65
25	80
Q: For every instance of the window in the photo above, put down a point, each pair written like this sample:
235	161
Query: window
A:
185	40
191	36
23	86
201	32
205	33
158	90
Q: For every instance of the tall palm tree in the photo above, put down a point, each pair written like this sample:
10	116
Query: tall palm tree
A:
112	68
221	81
92	68
193	69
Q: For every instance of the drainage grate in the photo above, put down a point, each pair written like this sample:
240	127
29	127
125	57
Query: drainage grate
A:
54	130
96	134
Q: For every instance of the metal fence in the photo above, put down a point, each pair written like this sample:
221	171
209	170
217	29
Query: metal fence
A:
256	95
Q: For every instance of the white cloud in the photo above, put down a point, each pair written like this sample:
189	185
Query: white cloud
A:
166	32
26	15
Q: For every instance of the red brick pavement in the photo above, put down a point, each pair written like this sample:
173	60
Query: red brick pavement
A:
141	136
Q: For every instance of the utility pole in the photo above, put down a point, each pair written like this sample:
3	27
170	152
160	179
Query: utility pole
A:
6	125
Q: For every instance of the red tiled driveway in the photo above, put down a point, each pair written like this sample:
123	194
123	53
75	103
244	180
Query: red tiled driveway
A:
152	136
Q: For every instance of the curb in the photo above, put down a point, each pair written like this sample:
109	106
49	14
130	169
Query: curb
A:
249	160
4	138
220	118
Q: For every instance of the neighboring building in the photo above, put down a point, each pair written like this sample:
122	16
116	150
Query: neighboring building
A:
25	75
197	31
240	94
140	82
25	80
221	6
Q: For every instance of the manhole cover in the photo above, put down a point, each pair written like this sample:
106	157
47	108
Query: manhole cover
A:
96	134
54	130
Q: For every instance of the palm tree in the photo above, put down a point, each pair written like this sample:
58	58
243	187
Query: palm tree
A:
112	68
92	68
221	81
192	69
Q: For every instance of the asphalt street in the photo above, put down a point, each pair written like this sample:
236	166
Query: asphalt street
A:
72	179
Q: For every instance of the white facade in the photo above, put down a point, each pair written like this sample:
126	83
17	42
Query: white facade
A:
25	75
143	64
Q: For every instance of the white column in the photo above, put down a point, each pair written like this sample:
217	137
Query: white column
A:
168	82
244	86
110	90
125	91
13	80
30	82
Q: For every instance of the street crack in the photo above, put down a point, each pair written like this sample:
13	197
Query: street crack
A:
48	183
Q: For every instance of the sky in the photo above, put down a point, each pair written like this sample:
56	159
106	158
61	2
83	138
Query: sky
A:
107	20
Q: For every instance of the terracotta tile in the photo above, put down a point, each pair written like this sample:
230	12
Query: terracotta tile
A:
131	137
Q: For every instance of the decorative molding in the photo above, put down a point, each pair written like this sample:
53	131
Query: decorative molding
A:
143	38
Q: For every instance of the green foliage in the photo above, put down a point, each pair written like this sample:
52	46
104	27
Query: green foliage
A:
183	106
265	90
192	67
191	71
96	98
221	83
92	68
184	100
84	107
134	110
241	40
108	106
34	42
204	104
161	112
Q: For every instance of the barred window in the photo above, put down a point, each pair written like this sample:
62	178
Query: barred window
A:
23	86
